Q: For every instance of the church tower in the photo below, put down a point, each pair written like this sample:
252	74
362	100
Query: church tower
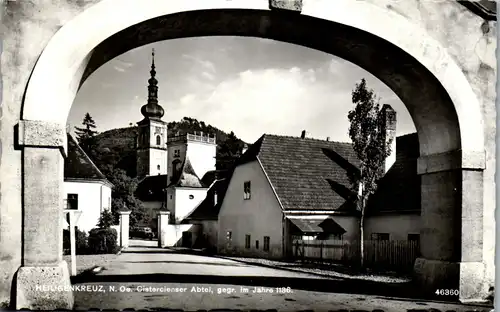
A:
152	133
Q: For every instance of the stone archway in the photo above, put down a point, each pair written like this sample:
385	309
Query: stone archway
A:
446	112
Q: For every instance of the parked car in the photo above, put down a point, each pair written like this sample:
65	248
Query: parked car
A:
141	232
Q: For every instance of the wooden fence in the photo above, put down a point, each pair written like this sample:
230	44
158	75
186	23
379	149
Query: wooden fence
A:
390	255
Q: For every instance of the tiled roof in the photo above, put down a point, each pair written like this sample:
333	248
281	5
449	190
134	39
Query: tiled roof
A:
211	176
399	189
152	188
78	165
208	209
310	174
307	174
187	177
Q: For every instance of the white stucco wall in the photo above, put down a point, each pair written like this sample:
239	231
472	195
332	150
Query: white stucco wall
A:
183	204
157	157
259	216
93	198
398	226
174	233
202	157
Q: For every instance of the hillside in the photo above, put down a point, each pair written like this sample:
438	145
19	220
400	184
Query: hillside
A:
116	148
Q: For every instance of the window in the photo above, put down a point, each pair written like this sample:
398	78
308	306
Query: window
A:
229	235
266	243
257	244
414	238
191	196
177	153
158	140
72	201
247	241
158	167
246	190
170	196
380	236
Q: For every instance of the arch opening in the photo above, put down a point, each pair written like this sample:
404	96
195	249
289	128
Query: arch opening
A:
426	100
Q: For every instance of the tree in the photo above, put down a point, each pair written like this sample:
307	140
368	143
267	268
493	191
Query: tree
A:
368	134
105	220
86	135
123	197
228	152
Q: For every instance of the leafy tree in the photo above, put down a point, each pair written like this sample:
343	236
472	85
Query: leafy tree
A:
123	197
228	152
367	132
86	134
106	220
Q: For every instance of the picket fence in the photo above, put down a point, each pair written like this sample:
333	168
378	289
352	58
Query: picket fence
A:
392	255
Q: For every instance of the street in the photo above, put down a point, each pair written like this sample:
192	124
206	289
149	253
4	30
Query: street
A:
148	277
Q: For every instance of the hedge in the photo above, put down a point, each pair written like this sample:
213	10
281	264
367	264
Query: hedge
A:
102	241
81	242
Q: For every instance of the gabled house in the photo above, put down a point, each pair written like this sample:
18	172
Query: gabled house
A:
86	188
285	188
394	210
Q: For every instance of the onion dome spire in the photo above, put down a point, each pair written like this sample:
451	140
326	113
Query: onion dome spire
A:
152	110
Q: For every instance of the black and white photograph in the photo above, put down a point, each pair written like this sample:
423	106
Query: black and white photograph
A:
248	155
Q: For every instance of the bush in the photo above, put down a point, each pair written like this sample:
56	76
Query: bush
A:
103	241
81	242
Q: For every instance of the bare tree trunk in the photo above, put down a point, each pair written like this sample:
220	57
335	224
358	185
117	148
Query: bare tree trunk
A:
362	237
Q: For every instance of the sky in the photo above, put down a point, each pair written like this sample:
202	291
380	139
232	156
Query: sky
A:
250	86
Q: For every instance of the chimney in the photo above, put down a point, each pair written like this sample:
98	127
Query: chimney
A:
303	134
327	139
388	119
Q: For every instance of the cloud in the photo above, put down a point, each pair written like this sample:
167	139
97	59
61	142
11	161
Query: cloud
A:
208	75
118	68
121	66
207	65
283	101
269	98
188	99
